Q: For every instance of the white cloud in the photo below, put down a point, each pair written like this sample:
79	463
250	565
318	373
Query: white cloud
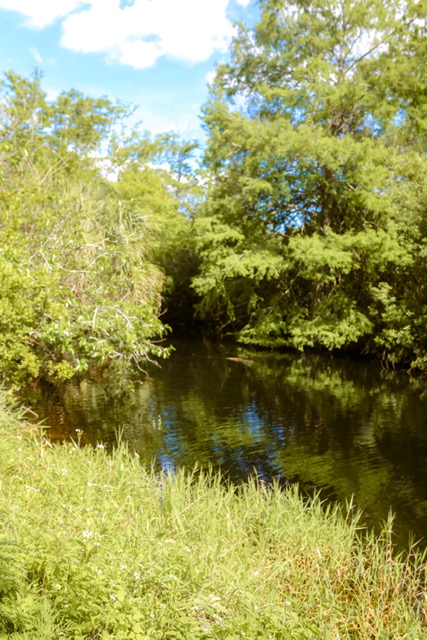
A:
41	13
36	55
136	34
210	76
188	124
138	53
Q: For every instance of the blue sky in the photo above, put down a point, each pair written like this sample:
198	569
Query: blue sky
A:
157	54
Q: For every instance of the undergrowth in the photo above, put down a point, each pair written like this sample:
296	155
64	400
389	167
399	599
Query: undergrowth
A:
95	547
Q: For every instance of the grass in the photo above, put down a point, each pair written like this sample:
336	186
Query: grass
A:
94	546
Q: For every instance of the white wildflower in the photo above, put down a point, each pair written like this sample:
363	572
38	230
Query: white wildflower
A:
214	598
87	534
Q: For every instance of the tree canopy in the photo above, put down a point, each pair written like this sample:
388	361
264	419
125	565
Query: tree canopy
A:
80	265
315	218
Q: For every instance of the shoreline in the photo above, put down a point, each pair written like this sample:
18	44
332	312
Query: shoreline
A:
93	546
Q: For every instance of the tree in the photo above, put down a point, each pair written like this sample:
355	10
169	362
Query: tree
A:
80	286
307	237
159	190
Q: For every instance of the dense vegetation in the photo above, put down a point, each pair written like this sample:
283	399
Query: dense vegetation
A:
313	233
129	554
80	260
305	226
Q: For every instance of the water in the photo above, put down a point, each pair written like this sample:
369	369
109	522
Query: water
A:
341	425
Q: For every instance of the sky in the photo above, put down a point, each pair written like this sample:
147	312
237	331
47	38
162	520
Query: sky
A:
158	55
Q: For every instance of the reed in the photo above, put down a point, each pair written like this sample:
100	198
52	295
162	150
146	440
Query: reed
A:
95	546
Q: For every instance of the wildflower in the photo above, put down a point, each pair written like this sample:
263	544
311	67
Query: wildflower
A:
87	534
214	598
137	576
113	597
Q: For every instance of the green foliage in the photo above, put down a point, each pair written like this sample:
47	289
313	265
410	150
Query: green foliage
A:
315	217
129	554
161	201
81	259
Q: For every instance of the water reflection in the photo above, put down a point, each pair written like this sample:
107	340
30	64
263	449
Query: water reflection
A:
333	423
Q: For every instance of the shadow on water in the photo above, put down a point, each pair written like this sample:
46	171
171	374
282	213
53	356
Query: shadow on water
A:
336	424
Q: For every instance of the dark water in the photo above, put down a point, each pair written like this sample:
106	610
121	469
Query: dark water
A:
341	425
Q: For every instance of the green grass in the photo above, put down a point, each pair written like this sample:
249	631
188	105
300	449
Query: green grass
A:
95	546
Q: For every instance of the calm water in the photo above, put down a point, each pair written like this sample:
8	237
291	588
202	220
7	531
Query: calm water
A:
341	425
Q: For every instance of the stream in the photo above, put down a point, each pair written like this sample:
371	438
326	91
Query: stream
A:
340	425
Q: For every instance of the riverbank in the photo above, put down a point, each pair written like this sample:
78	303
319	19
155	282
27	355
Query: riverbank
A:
94	546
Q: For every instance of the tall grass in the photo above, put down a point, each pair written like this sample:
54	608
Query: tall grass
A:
94	546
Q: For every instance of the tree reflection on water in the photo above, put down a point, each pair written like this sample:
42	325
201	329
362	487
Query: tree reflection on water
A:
338	424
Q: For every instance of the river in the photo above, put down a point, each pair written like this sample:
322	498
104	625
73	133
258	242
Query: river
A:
341	425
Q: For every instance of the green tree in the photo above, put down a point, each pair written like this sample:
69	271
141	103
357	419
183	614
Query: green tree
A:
159	190
312	224
80	285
